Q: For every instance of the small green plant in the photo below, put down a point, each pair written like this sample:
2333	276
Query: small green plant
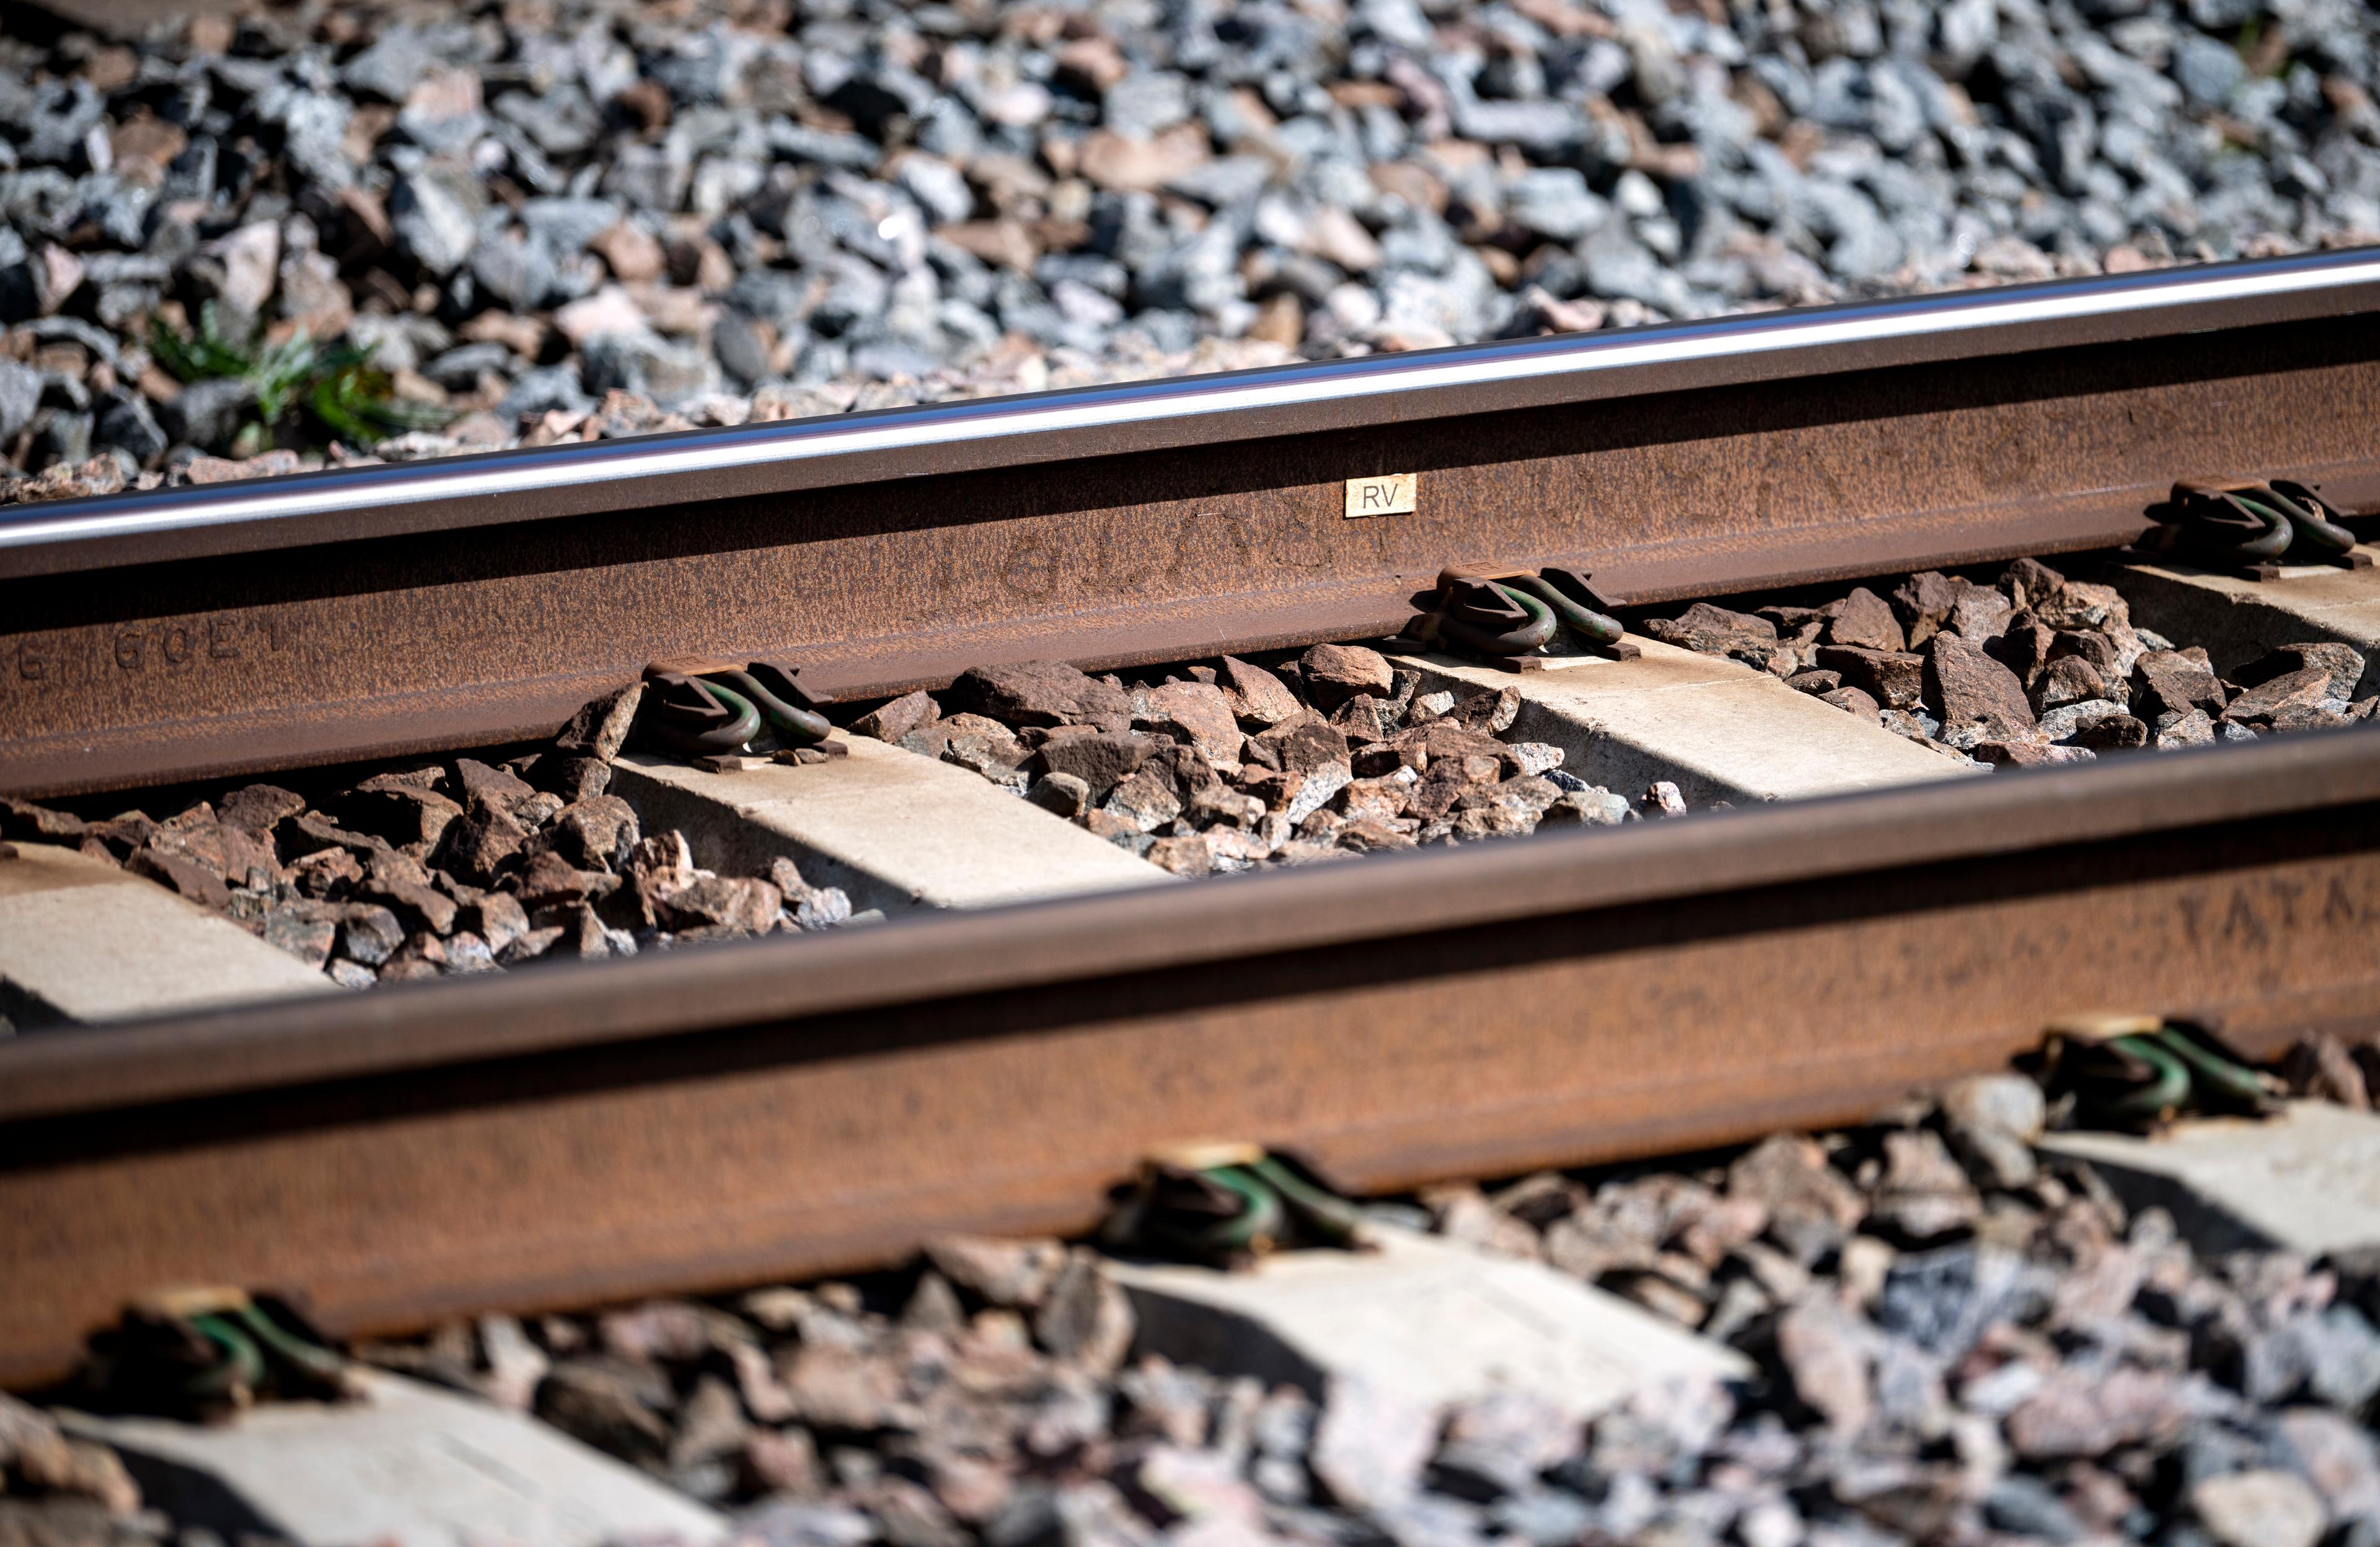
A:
339	387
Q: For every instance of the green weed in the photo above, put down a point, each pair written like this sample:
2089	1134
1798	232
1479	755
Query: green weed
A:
338	387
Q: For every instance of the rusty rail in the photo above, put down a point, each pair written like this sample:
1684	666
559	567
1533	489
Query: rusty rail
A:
808	1104
387	610
812	1104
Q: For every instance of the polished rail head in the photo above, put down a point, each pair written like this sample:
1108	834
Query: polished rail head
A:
782	456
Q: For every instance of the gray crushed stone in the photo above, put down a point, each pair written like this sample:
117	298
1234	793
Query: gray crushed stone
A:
1953	1343
569	221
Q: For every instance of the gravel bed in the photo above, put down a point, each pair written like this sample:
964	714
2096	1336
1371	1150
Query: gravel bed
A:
554	220
1953	1343
1237	765
454	866
461	865
1234	765
2032	667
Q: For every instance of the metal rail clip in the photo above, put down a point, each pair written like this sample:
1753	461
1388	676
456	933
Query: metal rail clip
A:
2247	529
2140	1072
1506	616
1226	1204
696	708
206	1353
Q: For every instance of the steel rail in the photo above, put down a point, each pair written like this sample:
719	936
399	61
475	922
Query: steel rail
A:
1033	427
365	613
689	1121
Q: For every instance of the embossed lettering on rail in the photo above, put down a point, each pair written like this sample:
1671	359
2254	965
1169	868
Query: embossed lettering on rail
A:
1389	495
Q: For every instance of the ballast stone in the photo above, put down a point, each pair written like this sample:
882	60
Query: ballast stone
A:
1717	729
2238	621
81	940
2308	1180
410	1465
894	830
1420	1324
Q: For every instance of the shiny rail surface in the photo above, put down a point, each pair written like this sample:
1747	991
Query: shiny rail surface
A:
1194	411
684	1121
384	611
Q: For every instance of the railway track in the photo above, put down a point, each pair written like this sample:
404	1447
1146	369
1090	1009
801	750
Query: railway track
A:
699	1119
236	629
